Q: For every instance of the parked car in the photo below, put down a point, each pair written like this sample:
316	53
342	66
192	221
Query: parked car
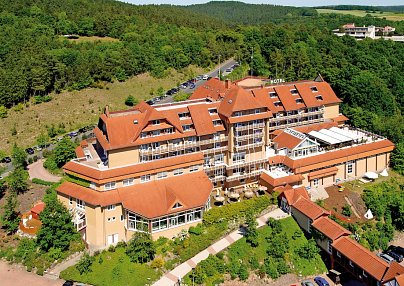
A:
229	70
321	281
68	283
191	86
386	257
156	99
307	283
6	160
150	102
397	249
30	151
73	134
397	256
199	77
205	77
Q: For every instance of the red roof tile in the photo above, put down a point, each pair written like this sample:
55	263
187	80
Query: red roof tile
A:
330	228
213	88
309	208
323	173
201	119
293	194
275	182
286	140
361	256
400	280
38	208
395	270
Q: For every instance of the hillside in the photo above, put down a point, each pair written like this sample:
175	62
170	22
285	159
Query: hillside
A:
234	12
398	8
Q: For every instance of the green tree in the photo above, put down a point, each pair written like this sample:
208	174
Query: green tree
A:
3	111
18	180
251	233
42	139
131	101
140	248
57	228
19	157
309	250
397	158
64	151
346	210
10	218
84	265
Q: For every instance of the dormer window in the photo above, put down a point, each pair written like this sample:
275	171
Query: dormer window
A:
109	186
277	103
314	89
217	122
186	127
319	98
238	113
272	94
177	205
143	135
299	100
212	111
256	111
184	115
156	132
156	122
294	91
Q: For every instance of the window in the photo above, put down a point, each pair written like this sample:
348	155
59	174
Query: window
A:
242	181
110	186
156	132
143	135
256	111
122	217
329	246
193	169
319	98
299	100
217	122
186	127
156	122
80	204
212	111
309	225
128	182
351	264
239	157
144	178
184	115
294	91
178	172
92	185
272	94
219	158
364	273
349	167
110	207
338	254
277	103
314	89
315	182
111	219
161	175
70	201
136	222
177	205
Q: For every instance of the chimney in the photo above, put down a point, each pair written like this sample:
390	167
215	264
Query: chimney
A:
227	83
106	110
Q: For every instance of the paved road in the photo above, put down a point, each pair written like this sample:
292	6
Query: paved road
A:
12	275
37	170
171	278
212	73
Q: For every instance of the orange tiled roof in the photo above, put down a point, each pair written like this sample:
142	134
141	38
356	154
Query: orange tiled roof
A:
330	228
395	270
293	194
159	196
201	119
119	173
92	197
238	99
400	280
213	88
309	208
38	208
275	182
79	152
286	140
323	173
361	256
340	118
316	127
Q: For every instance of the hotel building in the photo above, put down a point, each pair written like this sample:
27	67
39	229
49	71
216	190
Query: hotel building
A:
155	168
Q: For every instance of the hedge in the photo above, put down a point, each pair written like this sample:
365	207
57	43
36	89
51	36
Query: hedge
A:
41	182
77	180
237	210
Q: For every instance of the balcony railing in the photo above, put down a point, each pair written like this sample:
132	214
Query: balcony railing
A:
243	164
299	115
215	150
249	126
218	178
215	166
244	175
305	122
247	146
249	136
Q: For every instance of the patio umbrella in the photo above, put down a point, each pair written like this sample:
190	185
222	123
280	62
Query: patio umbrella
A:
371	175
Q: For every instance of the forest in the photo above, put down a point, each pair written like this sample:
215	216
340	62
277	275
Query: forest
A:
291	43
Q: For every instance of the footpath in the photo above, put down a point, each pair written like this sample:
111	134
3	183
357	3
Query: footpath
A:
172	277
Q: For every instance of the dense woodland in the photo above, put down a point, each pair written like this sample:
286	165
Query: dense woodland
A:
291	43
399	8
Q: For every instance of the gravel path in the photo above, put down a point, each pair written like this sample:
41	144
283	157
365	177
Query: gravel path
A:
37	170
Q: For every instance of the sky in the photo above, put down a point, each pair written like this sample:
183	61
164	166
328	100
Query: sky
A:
280	2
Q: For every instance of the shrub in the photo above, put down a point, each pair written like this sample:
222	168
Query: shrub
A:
346	210
197	230
131	101
275	225
41	182
157	263
181	96
271	268
140	248
243	272
308	250
3	111
84	265
50	164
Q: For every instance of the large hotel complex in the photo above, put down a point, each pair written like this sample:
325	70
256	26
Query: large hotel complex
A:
158	168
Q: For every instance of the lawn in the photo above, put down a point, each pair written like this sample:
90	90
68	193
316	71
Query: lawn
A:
83	39
115	269
360	13
76	109
241	253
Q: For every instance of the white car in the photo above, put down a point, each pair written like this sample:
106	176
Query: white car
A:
205	77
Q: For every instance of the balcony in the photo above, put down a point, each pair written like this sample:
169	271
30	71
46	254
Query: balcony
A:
249	126
299	115
244	175
249	136
210	141
248	146
294	124
215	150
244	163
218	178
214	166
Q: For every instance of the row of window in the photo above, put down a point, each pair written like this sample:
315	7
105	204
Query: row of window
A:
79	203
273	94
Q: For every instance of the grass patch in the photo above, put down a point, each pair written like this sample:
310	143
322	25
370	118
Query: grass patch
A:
115	269
76	109
84	39
361	13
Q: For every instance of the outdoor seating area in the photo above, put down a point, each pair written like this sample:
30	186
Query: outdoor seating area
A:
231	195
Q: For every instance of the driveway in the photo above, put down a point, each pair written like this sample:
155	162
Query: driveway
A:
37	170
16	276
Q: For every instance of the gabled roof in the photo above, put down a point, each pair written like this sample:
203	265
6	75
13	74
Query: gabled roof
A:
400	280
309	208
330	228
276	182
361	256
293	194
286	140
213	88
395	271
238	99
203	121
157	198
323	173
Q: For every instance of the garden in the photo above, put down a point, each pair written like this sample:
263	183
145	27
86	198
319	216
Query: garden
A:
280	247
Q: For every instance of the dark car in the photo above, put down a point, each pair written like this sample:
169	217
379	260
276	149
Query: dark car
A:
307	283
30	151
321	281
191	86
396	249
150	102
73	134
6	160
397	256
68	283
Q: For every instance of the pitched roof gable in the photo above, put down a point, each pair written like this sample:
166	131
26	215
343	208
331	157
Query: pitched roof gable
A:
309	208
330	228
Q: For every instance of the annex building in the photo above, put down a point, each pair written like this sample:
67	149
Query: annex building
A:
156	168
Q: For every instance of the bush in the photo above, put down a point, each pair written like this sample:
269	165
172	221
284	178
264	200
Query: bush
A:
236	211
84	265
308	250
41	182
131	101
50	164
346	210
140	248
197	230
243	273
275	225
3	111
157	263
